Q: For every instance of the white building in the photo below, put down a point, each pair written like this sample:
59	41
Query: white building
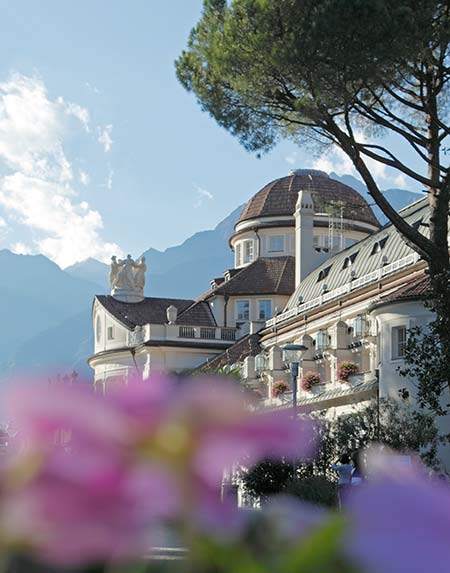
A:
312	266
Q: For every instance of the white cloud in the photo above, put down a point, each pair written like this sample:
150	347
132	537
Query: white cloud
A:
292	158
20	248
104	137
202	194
401	181
92	88
38	189
109	181
77	111
84	177
334	159
4	228
71	230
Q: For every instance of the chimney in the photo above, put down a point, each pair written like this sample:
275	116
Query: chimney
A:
305	261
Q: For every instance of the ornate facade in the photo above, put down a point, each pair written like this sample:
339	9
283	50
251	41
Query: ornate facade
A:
312	267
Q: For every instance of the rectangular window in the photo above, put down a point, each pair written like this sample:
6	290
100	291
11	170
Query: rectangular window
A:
110	332
264	309
276	244
242	310
238	255
398	342
249	251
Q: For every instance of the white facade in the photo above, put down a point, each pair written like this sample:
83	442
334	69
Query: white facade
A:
342	307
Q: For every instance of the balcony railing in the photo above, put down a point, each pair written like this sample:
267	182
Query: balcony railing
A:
228	334
207	333
186	332
345	289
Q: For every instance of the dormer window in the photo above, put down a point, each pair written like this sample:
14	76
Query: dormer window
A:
324	273
348	262
379	246
276	244
416	225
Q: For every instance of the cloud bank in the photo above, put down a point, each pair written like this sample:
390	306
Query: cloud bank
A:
38	187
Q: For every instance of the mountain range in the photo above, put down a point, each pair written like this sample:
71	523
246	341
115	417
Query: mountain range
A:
46	311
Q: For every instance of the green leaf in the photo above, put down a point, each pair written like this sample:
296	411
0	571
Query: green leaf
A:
320	552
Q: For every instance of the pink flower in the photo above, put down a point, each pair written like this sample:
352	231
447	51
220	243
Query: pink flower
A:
86	500
123	461
198	428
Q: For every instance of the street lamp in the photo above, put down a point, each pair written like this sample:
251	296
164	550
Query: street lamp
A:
292	355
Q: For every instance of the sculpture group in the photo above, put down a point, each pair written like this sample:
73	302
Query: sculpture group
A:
127	274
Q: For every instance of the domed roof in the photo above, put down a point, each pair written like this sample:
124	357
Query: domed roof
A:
280	196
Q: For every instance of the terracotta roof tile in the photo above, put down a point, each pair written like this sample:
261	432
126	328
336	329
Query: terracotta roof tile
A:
280	196
416	288
246	346
266	275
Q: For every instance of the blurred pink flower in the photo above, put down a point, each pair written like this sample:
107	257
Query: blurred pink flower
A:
122	461
87	499
400	520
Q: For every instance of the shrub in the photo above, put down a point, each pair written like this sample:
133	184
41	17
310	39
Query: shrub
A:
309	380
279	388
345	370
268	477
314	489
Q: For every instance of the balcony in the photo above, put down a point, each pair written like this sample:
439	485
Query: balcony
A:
224	334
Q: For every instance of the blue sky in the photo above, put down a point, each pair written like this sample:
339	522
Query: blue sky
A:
101	150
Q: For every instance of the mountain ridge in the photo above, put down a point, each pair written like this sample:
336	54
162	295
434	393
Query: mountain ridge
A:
46	310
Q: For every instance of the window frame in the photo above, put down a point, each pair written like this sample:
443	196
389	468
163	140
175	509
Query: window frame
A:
242	318
397	345
264	300
238	255
283	244
379	246
251	256
324	273
110	332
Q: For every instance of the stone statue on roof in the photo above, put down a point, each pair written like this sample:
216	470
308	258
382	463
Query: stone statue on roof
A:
127	279
139	276
115	268
125	276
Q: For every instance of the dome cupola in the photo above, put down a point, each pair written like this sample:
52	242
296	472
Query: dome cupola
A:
266	226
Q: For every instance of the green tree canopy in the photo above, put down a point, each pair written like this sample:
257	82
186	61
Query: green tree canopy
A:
343	72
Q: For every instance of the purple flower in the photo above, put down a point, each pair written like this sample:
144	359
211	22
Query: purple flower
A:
399	522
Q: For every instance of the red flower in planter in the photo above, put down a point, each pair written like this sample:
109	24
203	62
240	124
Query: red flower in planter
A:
310	379
345	370
279	388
